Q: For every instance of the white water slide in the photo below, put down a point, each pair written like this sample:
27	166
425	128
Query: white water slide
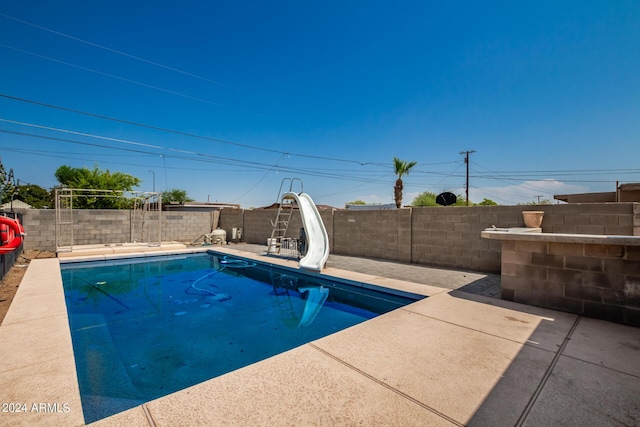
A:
317	237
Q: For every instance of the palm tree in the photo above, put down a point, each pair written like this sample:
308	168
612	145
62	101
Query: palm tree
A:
400	168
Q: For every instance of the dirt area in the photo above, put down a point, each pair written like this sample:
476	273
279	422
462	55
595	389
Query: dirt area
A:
9	285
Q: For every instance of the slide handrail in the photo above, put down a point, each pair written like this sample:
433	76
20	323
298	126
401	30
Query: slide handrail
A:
290	181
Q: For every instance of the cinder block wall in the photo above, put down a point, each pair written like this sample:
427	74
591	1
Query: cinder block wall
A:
92	227
257	223
450	237
186	227
601	281
327	219
110	226
89	227
591	218
383	234
232	218
445	237
40	226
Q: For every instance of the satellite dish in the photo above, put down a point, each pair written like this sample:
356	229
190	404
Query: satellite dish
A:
446	199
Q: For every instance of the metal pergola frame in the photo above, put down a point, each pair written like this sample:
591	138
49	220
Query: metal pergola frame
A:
146	215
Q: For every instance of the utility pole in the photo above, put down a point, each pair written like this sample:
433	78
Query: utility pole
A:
466	160
154	179
538	196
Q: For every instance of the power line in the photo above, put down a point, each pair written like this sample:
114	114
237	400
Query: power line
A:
225	160
525	179
65	155
113	76
203	157
498	175
558	170
209	159
137	58
260	180
191	135
323	172
107	138
537	188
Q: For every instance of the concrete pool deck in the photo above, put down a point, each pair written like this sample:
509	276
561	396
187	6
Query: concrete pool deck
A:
455	358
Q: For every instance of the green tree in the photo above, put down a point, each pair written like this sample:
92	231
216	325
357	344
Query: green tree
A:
537	202
175	195
7	188
95	179
487	202
461	200
34	195
425	198
400	168
356	202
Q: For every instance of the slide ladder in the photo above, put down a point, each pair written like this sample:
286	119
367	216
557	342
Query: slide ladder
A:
280	226
285	210
281	298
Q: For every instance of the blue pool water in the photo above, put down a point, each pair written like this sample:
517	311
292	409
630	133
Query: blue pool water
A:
144	329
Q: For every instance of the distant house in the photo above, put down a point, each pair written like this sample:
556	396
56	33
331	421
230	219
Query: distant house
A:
371	207
277	205
625	193
15	205
197	206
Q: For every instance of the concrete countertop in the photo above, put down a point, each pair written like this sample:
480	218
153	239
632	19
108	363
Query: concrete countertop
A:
598	239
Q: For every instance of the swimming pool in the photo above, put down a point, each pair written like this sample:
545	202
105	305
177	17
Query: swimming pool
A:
145	328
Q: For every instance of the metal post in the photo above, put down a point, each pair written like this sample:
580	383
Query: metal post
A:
154	179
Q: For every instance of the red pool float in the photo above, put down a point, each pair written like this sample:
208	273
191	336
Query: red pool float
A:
11	234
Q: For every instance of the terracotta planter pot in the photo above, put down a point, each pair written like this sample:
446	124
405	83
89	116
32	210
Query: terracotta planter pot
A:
532	219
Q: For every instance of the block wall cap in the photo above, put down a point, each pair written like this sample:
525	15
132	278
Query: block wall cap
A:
599	239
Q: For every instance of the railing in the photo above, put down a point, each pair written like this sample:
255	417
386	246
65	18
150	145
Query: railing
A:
290	247
291	181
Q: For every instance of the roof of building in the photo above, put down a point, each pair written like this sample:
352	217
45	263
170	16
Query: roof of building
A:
193	206
371	207
16	204
626	193
277	205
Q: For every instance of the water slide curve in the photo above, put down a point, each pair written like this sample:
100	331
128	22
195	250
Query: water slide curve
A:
317	237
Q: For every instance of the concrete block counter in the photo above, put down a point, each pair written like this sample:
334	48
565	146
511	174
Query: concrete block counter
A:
592	275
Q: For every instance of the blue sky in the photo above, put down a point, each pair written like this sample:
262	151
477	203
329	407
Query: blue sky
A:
236	96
